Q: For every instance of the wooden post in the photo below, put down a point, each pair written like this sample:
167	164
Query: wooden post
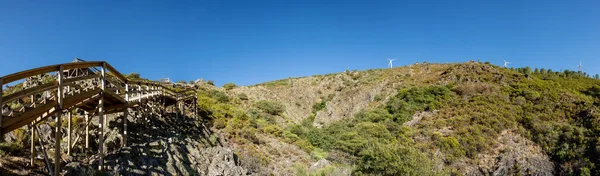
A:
101	118
32	128
87	130
1	109
125	113
70	116
147	102
138	113
183	108
58	134
33	154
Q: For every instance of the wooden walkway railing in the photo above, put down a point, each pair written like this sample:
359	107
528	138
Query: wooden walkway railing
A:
96	88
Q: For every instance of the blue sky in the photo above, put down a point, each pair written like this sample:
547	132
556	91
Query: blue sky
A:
249	42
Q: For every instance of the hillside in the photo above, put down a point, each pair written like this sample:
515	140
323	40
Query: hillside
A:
423	119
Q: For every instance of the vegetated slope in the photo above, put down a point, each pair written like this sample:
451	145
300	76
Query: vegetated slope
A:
423	119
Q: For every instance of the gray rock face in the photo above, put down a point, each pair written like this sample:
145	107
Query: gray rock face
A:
221	161
514	155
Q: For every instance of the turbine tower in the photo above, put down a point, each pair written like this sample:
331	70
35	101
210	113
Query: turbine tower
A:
580	66
390	64
505	63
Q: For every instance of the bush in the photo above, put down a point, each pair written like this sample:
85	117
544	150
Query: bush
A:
451	147
319	106
229	86
304	145
408	101
375	116
219	96
290	137
319	153
271	107
220	123
272	129
243	96
393	159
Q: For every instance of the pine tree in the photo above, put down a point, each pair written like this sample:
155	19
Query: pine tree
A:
527	71
597	76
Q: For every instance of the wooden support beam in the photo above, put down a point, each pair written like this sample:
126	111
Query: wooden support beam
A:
33	154
57	130
87	130
125	114
69	131
101	119
1	109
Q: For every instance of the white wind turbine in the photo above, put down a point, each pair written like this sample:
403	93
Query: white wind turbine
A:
580	67
390	64
505	63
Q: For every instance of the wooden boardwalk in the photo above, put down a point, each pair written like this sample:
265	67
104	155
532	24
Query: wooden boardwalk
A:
94	88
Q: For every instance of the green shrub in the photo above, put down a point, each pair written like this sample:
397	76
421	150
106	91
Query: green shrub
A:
408	101
451	147
304	145
272	129
271	107
210	82
319	106
319	153
220	96
375	116
243	96
290	137
220	123
393	159
229	86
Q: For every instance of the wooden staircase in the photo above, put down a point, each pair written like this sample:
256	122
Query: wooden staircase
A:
93	87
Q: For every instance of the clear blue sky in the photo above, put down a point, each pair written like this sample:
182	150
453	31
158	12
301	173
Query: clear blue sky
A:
249	42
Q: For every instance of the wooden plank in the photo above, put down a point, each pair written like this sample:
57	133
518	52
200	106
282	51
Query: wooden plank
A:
45	69
91	76
114	82
74	100
74	65
115	96
116	72
28	73
26	92
13	123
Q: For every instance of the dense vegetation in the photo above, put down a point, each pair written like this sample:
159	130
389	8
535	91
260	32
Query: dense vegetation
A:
556	110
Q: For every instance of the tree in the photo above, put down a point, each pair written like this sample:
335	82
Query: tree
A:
597	77
543	71
550	71
192	82
210	82
229	86
527	71
567	73
536	71
133	75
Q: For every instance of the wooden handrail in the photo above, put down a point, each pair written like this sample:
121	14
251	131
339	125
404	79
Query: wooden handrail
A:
116	73
41	70
43	87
